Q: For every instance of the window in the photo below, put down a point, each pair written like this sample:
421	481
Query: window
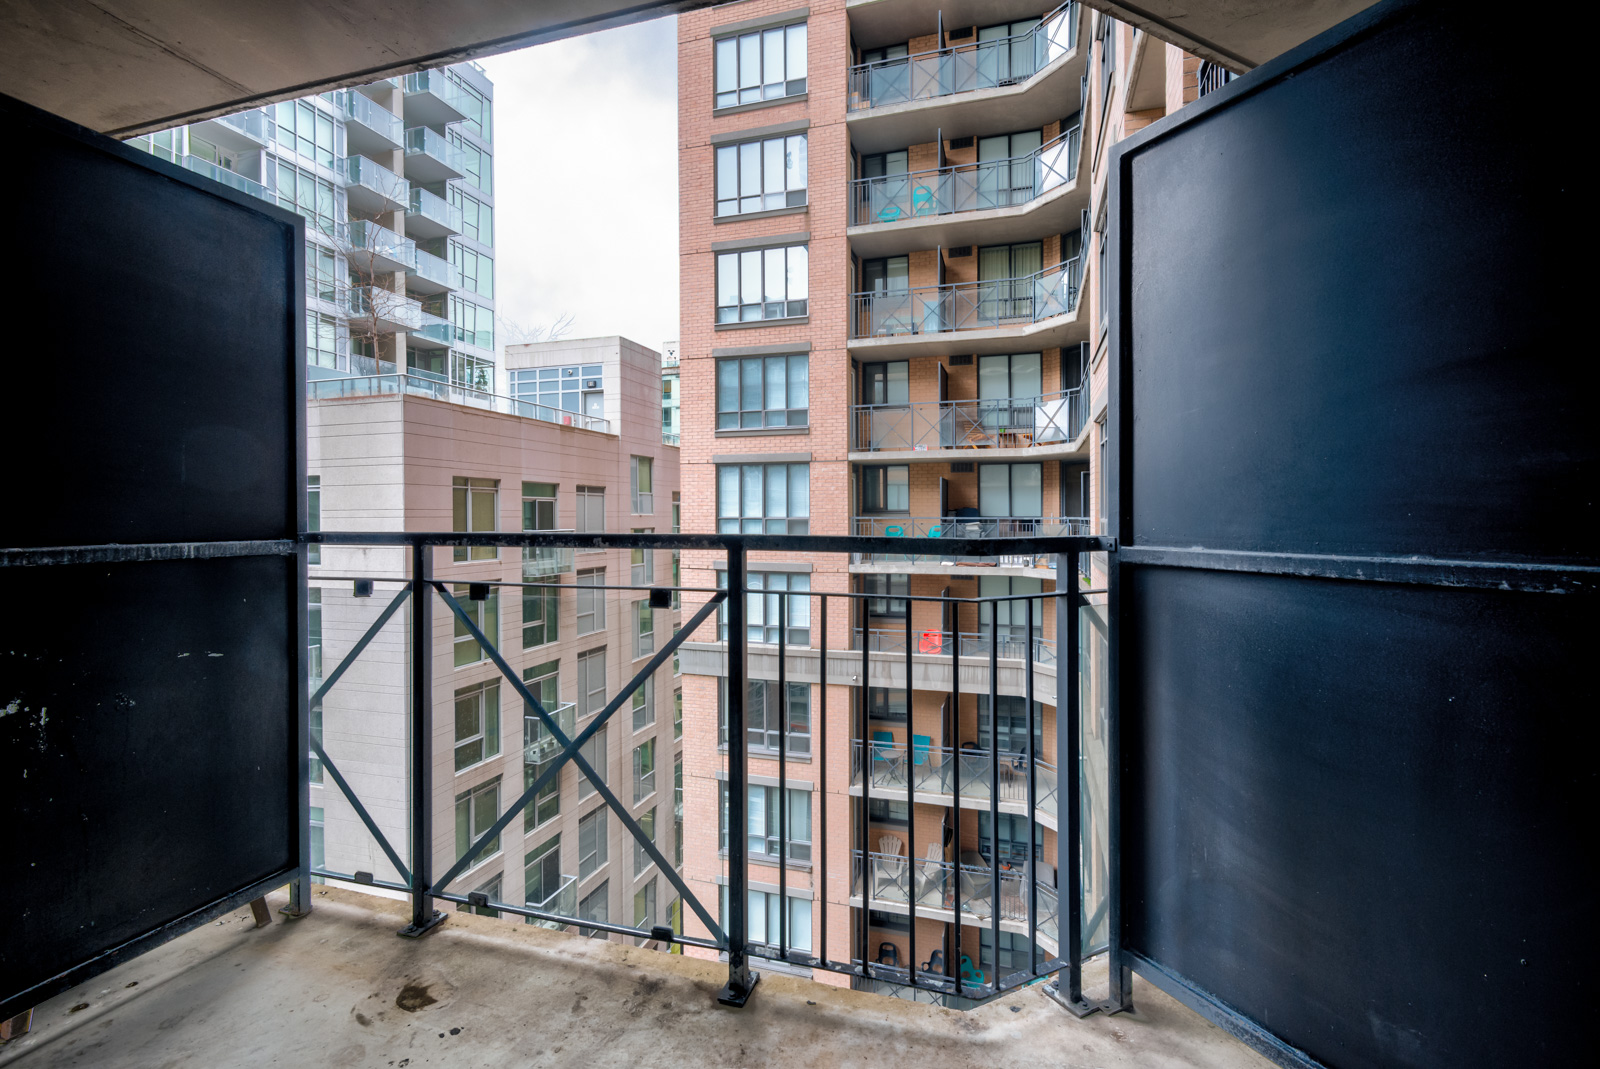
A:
763	715
544	683
475	372
763	498
322	273
473	323
486	615
476	812
1013	723
761	607
314	518
771	391
641	857
1014	953
644	906
887	811
322	341
594	752
477	218
477	269
761	820
762	284
541	875
540	616
1106	41
887	604
886	703
1013	838
592	838
305	130
591	508
1010	618
677	714
644	704
477	724
1003	378
644	498
546	805
643	561
591	602
644	770
889	275
539	506
1011	490
596	906
302	190
477	163
319	850
474	508
1008	287
764	65
885	488
759	176
677	812
644	630
591	682
1102	249
314	668
764	920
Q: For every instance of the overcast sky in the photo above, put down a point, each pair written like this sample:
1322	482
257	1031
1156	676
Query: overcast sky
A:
586	183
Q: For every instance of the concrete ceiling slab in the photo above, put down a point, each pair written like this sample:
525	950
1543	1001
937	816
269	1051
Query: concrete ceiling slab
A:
1239	34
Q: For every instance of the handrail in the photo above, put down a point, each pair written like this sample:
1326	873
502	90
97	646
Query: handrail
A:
453	392
968	187
964	67
979	423
1052	291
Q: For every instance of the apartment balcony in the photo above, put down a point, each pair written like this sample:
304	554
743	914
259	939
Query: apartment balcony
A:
541	562
1037	311
993	202
430	157
374	249
1009	83
538	744
395	384
383	310
668	438
369	127
998	429
433	274
225	176
243	131
562	901
939	775
988	528
432	99
1007	646
372	187
429	215
943	891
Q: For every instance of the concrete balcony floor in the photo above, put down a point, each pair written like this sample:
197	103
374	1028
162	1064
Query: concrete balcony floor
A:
326	990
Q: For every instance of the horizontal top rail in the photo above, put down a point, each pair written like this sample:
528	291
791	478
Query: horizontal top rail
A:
967	187
987	303
719	542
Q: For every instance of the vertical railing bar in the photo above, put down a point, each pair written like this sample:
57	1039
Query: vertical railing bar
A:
1033	813
740	978
783	773
911	804
953	964
994	790
866	794
1067	670
820	884
423	916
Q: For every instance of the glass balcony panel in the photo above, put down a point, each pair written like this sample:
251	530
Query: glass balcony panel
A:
429	215
371	186
380	128
538	744
540	562
434	274
423	385
431	158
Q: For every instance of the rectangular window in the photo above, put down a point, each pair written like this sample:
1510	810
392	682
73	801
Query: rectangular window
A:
591	682
591	602
1011	491
886	703
591	508
762	284
764	65
473	323
314	517
322	273
594	752
476	812
887	811
477	269
759	176
644	704
763	498
644	770
885	488
677	714
1013	838
541	875
319	850
888	586
540	614
763	715
644	906
323	348
477	218
764	921
644	630
761	607
486	615
302	191
643	561
477	724
677	811
644	498
546	805
478	163
641	858
475	509
592	842
596	906
762	827
763	391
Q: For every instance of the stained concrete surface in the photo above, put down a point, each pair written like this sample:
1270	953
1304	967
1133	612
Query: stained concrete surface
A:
338	988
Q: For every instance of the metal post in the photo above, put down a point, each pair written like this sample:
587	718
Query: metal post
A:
741	980
299	903
1068	987
1121	993
911	805
994	795
863	817
1033	800
820	951
783	777
424	918
953	965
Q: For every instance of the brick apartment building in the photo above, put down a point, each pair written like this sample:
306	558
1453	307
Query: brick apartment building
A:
891	324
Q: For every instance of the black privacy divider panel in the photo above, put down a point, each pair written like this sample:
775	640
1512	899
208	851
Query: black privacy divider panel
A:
147	758
1365	811
1353	296
155	320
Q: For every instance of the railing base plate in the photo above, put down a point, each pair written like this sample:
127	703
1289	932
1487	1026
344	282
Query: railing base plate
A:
417	931
1080	1007
731	996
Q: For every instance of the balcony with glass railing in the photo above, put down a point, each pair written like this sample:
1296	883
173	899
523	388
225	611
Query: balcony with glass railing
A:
430	157
369	127
243	131
437	389
429	215
563	901
383	310
1038	309
372	249
225	176
433	99
966	67
373	187
433	274
538	743
933	429
542	562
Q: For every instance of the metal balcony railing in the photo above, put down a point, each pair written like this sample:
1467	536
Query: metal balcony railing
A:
1003	302
1012	647
981	888
539	745
967	187
443	390
964	68
961	527
1212	76
1053	419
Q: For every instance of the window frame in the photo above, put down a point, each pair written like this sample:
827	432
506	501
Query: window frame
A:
591	604
486	614
466	494
754	155
587	703
731	413
733	518
471	799
487	724
594	824
739	269
763	736
732	88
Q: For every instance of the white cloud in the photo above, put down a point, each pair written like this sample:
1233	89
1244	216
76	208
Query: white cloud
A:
586	182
